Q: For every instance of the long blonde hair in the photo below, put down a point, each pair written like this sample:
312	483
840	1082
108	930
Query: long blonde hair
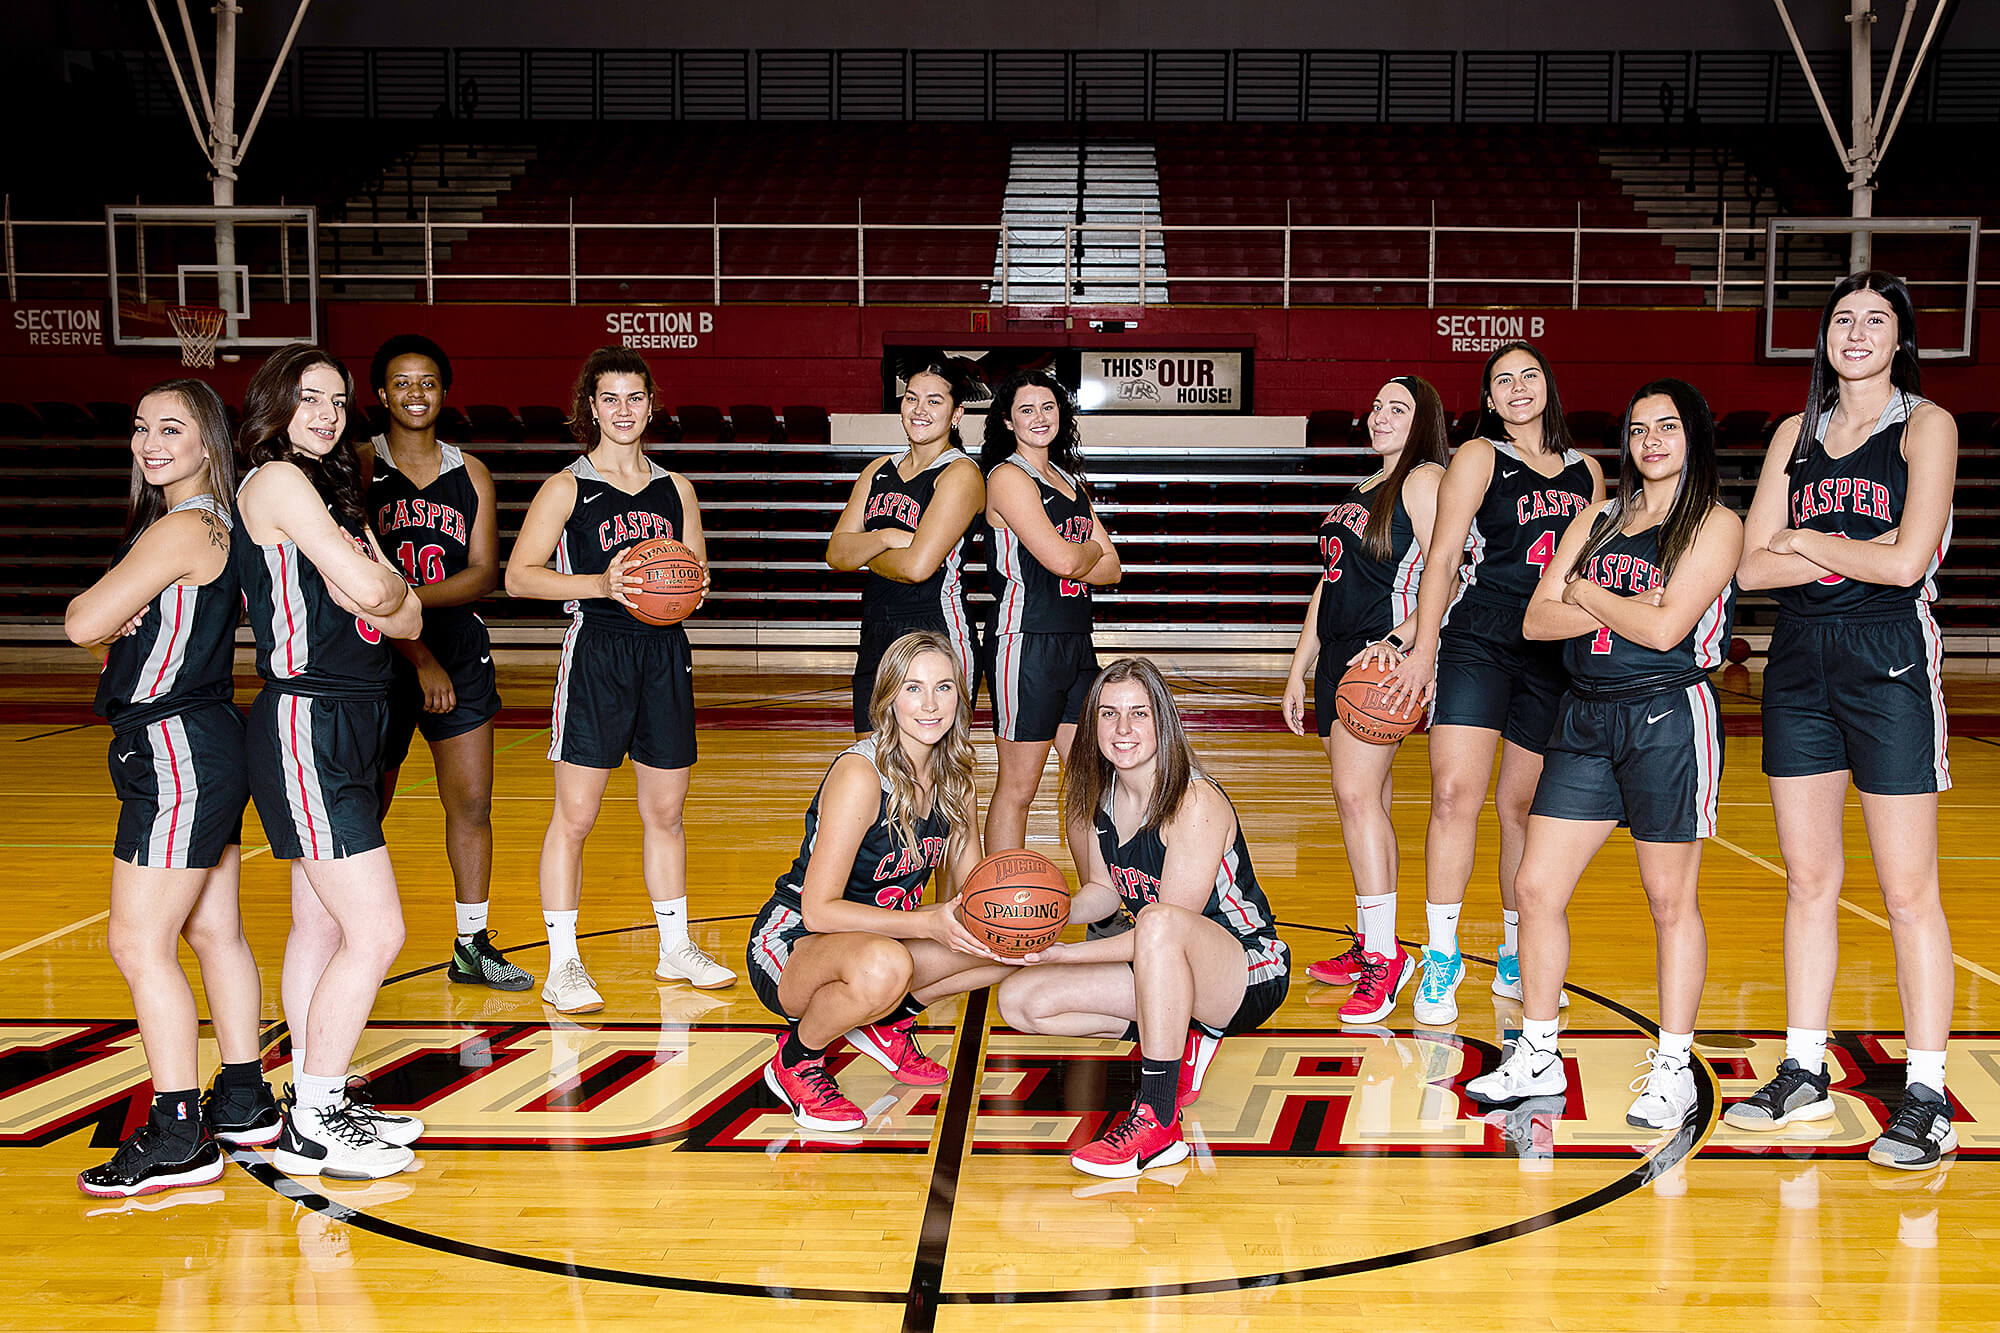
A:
951	757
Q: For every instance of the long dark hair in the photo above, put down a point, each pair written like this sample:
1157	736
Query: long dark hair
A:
1087	773
1555	426
202	409
960	376
1429	442
1824	390
265	437
616	359
1698	490
1065	451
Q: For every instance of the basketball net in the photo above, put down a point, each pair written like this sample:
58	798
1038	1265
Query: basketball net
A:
197	326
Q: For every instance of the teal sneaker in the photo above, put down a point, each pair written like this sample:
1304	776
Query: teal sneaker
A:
1507	980
1437	993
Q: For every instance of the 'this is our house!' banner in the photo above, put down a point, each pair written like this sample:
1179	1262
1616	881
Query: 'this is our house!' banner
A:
1155	381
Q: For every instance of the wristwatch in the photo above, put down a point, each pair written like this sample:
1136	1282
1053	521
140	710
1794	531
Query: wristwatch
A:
1396	643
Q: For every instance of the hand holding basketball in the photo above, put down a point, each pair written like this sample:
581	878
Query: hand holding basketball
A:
1015	903
1363	705
616	582
671	581
1412	681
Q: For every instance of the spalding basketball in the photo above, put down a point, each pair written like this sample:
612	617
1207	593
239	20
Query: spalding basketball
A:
1362	705
669	581
1015	903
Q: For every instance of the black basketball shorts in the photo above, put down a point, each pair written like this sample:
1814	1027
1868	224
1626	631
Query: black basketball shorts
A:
1653	764
778	927
1865	694
1040	683
314	764
181	789
878	635
466	653
624	692
1332	665
1488	676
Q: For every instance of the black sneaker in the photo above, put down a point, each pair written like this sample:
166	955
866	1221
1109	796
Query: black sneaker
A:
151	1161
1792	1094
478	963
242	1117
1919	1134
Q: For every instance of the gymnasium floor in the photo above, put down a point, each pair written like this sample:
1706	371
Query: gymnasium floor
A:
634	1168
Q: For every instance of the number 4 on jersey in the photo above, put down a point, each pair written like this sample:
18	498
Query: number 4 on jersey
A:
1543	550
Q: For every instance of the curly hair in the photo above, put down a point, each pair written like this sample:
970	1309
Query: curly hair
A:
269	405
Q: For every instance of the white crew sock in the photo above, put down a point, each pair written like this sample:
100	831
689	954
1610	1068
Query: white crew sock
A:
315	1090
1540	1033
1676	1046
1807	1046
1510	931
562	937
673	918
1925	1067
471	919
1378	924
1442	918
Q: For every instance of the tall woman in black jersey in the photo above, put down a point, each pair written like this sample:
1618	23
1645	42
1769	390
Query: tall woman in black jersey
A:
433	508
905	524
1156	839
320	599
842	947
1505	497
1372	547
1851	520
1640	594
624	687
1048	550
164	621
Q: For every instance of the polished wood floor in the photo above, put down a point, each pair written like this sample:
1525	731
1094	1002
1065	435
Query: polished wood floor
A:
634	1169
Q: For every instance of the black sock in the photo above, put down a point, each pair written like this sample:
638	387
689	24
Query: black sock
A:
911	1007
1159	1087
178	1114
793	1051
240	1077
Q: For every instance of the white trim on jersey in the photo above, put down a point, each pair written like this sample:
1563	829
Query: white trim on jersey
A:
1475	551
175	792
449	456
1241	915
1928	592
1403	587
1270	961
766	944
951	605
162	666
1008	614
298	759
559	708
1934	671
1707	758
1708	645
291	636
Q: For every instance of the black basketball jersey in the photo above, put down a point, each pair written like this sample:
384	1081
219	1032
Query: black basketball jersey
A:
180	656
306	642
1860	497
1520	520
1031	600
605	520
427	531
895	503
1359	594
1236	903
885	873
1604	662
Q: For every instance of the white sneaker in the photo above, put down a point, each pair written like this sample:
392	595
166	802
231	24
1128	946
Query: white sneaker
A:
335	1141
1527	1071
569	989
1437	991
1507	980
1666	1093
389	1126
687	962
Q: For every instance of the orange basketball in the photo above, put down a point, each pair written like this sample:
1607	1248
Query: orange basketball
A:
1362	706
669	581
1015	903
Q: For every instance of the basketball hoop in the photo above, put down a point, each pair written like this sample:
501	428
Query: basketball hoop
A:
198	326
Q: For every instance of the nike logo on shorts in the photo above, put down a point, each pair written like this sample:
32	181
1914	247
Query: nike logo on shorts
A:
127	755
484	660
1650	719
1900	670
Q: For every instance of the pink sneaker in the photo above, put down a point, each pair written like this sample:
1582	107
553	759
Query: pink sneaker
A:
1342	969
893	1046
1376	990
811	1095
1135	1142
1200	1050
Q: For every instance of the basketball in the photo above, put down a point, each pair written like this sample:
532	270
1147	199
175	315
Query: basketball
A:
1362	706
1739	650
1015	903
670	581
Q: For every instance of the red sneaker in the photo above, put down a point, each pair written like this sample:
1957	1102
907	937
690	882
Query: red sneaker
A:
1376	989
1341	969
811	1095
892	1046
1135	1142
1194	1064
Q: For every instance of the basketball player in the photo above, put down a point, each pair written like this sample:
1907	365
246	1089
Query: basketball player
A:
163	619
1048	551
624	687
1505	497
1641	595
1372	547
1158	842
842	947
1851	520
905	524
433	509
320	599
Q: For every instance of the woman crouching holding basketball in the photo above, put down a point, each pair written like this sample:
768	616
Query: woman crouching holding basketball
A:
1641	591
1160	841
842	947
625	687
1372	546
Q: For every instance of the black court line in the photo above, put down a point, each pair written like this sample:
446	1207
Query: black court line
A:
59	731
955	1116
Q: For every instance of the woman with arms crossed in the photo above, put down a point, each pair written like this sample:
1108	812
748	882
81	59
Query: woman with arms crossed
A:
1851	520
1641	594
